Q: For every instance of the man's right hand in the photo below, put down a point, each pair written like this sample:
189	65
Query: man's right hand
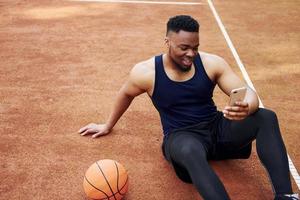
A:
95	129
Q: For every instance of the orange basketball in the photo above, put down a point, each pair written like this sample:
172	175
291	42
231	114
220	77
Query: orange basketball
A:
106	180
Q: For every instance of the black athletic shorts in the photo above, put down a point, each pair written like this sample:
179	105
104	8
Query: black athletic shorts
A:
211	134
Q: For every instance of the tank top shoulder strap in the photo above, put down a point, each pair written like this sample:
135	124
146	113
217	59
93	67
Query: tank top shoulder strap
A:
201	70
159	65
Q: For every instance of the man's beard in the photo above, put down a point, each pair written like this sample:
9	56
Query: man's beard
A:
180	67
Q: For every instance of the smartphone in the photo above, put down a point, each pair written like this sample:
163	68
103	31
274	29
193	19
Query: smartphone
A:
237	94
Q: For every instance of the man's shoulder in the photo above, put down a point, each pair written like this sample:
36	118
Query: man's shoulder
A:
143	73
211	59
214	63
144	67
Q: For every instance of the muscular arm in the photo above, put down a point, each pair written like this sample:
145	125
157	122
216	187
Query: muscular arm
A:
122	102
132	87
227	80
139	81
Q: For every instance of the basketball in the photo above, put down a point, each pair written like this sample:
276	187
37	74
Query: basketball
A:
105	180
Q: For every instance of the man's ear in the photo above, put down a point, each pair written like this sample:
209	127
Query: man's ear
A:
167	41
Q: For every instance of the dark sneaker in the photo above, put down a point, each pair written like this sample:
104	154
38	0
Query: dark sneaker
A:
287	197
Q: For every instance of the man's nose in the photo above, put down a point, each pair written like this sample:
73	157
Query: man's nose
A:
191	53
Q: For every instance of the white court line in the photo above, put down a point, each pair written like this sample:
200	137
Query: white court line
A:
144	2
293	169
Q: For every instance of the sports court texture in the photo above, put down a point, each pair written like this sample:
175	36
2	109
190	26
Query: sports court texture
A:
63	62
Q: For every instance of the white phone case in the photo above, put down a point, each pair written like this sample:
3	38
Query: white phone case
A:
237	95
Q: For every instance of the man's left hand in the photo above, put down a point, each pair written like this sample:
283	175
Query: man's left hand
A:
239	111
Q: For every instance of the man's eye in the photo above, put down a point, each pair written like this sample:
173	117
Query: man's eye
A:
183	48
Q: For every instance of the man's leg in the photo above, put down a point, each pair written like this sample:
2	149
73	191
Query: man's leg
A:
269	144
189	152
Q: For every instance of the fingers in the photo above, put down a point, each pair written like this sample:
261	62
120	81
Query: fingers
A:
234	118
98	134
95	129
234	109
237	112
83	129
88	129
241	104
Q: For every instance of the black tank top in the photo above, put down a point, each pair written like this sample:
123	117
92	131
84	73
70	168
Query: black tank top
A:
184	103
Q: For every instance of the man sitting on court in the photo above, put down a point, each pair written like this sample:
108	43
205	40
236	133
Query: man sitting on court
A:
181	84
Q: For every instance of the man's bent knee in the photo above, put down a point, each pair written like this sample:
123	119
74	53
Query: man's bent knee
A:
187	147
265	114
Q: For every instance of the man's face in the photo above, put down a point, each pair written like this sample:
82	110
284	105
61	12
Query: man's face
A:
183	47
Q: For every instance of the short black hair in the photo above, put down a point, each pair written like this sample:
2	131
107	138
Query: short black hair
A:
182	22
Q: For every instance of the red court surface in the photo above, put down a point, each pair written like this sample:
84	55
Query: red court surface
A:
63	62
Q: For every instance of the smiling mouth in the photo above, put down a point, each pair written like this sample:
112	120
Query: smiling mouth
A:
187	62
